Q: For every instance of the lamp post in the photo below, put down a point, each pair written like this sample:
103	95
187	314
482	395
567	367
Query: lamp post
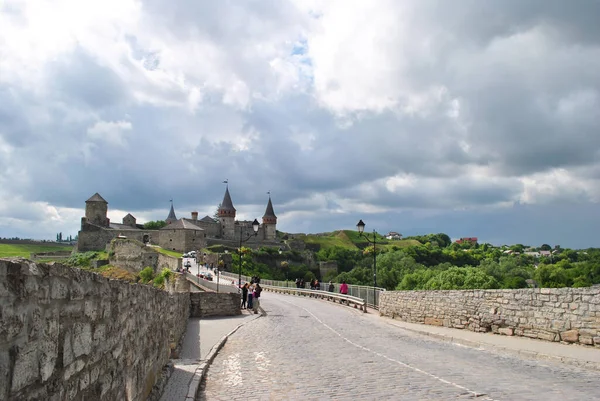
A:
361	229
255	225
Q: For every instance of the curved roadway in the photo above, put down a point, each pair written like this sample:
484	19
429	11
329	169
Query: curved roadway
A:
310	349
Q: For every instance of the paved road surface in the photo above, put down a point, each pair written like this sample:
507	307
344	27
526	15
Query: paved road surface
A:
307	349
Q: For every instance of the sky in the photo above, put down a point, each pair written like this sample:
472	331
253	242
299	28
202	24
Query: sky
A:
476	119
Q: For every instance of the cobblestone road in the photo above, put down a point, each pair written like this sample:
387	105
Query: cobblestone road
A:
313	350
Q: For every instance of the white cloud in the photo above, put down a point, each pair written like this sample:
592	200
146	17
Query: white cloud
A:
338	107
111	132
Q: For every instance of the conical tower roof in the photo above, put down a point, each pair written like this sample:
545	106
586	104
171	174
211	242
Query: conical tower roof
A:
227	204
269	212
171	217
96	198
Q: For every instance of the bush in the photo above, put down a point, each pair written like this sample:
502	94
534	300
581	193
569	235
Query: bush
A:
159	281
146	275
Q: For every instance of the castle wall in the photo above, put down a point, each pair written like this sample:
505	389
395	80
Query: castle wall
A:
135	256
95	238
132	255
129	221
227	227
552	314
210	229
269	232
96	212
72	334
181	240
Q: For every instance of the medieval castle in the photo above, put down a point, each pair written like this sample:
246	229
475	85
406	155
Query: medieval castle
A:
181	235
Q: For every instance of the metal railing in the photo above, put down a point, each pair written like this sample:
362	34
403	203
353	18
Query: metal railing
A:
211	285
359	291
329	296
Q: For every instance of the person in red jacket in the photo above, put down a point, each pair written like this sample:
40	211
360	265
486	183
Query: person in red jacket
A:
344	288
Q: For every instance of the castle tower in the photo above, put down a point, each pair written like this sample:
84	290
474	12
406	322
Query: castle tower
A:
171	217
269	222
96	210
227	216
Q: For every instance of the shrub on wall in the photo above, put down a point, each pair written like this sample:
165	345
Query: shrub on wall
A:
147	274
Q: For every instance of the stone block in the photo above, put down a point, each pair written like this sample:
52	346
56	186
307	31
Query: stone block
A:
4	374
432	321
587	340
48	355
27	368
507	331
12	323
547	335
570	336
75	367
58	289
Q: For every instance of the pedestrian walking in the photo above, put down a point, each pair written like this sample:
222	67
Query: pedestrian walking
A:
256	298
244	295
344	288
331	287
250	305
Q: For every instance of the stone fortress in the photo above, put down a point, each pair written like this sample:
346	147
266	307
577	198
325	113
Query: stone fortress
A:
180	235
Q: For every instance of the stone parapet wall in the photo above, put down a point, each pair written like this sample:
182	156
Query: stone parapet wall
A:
564	314
71	334
135	256
169	262
203	304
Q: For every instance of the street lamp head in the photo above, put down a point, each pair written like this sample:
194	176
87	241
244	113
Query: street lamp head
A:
360	226
226	250
280	251
255	225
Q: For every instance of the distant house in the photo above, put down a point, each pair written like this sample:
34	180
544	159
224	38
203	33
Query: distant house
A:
546	253
393	235
535	254
467	240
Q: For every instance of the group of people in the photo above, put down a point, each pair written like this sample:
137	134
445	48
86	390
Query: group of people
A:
314	285
251	294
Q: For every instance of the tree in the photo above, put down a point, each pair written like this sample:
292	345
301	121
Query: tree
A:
216	213
155	225
545	247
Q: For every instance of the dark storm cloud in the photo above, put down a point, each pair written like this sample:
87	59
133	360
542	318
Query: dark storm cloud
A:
503	90
80	81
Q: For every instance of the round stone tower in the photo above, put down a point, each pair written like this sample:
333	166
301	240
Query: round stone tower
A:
96	211
269	222
227	217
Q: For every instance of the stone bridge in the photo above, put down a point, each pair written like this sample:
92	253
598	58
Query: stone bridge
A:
72	334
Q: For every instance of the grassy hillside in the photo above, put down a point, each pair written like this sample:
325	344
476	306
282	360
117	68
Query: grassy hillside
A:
351	240
24	250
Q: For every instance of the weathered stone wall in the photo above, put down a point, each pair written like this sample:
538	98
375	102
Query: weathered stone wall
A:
181	240
92	238
169	262
71	334
132	255
564	314
204	304
210	229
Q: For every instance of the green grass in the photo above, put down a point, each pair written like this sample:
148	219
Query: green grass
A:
352	240
25	250
167	252
327	240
